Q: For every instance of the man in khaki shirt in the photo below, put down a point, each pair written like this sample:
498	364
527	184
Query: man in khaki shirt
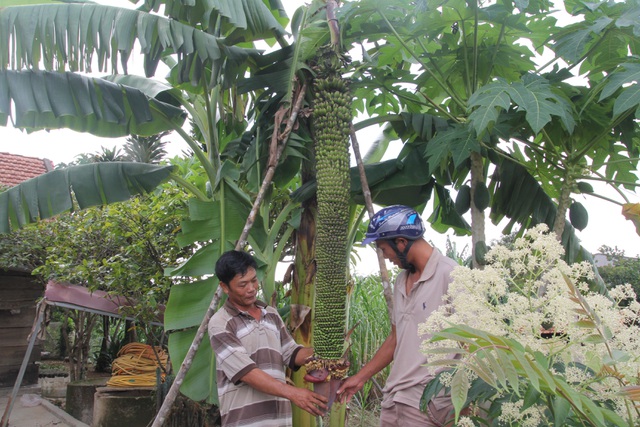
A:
419	289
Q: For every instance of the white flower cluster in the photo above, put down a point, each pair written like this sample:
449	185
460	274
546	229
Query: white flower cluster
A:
522	294
512	413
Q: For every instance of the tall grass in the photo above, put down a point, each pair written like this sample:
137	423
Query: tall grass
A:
369	319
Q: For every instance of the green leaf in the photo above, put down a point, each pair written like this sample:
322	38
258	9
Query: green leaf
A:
92	184
617	356
628	99
594	339
188	303
445	216
432	389
624	75
531	397
459	390
49	100
200	382
252	18
586	324
82	35
533	94
489	100
201	263
458	142
509	370
561	410
496	367
198	231
527	369
483	371
573	40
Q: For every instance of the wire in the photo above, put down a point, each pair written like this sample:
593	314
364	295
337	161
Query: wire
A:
136	366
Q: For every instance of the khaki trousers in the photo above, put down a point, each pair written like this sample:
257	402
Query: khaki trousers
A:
401	415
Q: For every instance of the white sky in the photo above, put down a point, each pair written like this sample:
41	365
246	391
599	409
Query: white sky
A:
606	224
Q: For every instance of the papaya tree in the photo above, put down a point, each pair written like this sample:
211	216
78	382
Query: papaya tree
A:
518	133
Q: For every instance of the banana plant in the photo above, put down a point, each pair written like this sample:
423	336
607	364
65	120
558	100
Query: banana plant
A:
208	51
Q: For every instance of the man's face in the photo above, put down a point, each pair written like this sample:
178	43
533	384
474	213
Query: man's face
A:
242	289
388	252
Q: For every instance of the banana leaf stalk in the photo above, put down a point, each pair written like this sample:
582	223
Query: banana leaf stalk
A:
384	273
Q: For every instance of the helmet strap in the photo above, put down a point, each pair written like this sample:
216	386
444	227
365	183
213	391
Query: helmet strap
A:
402	256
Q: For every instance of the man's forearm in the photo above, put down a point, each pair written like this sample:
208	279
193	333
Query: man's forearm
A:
260	380
382	358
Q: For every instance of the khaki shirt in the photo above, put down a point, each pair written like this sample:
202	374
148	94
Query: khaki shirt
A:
409	376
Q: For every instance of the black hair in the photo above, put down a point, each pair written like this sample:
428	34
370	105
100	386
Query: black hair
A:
232	263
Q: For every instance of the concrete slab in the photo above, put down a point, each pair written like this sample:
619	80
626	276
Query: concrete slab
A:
32	410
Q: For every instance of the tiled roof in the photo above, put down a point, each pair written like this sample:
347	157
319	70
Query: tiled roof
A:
15	168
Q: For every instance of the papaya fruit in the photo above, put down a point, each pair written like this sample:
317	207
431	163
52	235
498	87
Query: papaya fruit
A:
585	187
481	196
578	216
463	199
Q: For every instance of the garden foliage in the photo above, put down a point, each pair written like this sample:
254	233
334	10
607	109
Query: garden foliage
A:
532	344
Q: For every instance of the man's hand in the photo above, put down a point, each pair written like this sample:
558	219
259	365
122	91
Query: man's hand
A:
311	402
349	387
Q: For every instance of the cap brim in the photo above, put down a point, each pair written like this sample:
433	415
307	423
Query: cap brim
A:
368	240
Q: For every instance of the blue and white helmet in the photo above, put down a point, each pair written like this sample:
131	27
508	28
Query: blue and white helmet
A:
392	222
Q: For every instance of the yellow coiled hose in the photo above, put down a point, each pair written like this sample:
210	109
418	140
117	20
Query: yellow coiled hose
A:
136	366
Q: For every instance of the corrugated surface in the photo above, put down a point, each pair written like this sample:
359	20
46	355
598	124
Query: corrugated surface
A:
15	168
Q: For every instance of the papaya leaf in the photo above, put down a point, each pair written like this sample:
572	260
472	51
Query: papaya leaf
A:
489	100
625	74
458	142
629	98
572	41
533	94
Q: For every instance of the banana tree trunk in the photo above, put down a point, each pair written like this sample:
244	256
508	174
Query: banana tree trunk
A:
302	295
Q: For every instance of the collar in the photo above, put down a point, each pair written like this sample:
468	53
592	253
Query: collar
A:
234	311
429	269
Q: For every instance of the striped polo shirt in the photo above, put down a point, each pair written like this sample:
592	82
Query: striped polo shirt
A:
241	344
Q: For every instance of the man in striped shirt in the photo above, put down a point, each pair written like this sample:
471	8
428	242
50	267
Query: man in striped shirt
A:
252	345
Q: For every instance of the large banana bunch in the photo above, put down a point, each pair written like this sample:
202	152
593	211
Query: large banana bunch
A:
331	120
